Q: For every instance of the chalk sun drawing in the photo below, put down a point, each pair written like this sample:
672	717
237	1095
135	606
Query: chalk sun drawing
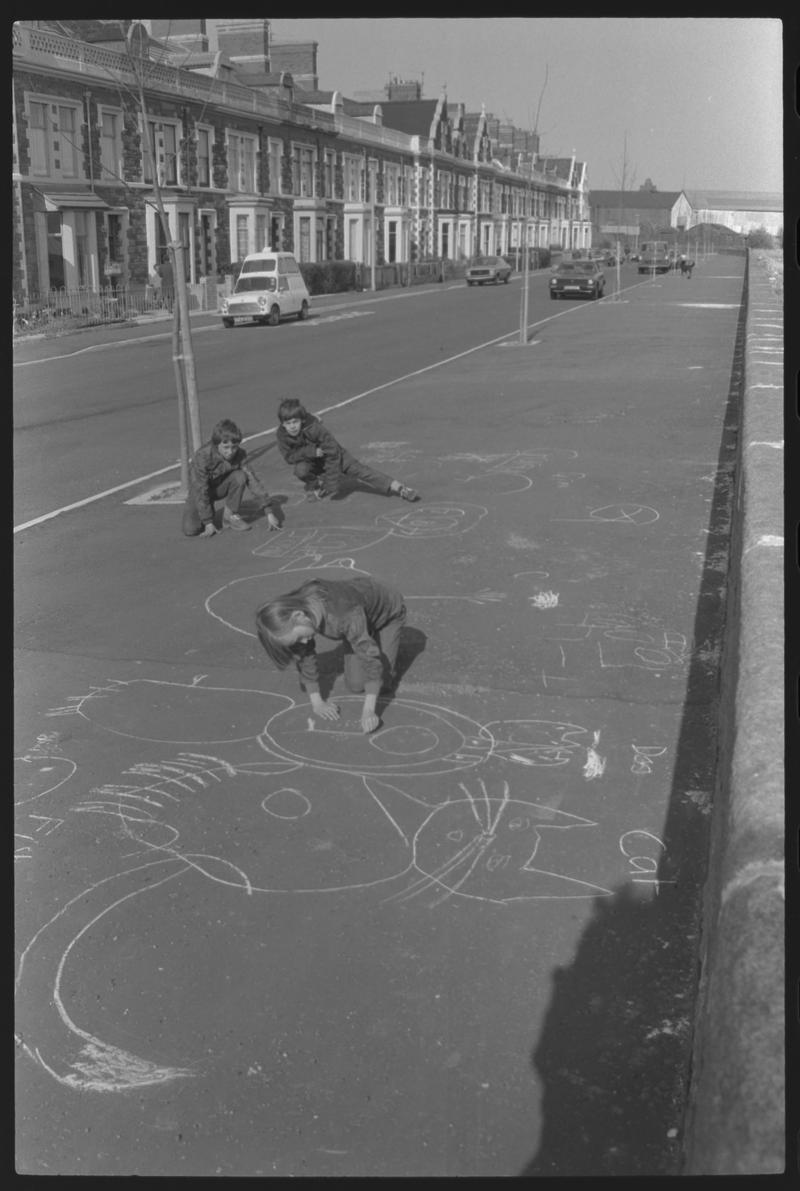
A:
624	514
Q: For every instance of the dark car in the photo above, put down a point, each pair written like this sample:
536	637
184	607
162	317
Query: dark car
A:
577	279
487	268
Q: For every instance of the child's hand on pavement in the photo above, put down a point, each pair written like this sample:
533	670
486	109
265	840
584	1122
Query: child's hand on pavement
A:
209	530
369	722
272	521
328	711
320	453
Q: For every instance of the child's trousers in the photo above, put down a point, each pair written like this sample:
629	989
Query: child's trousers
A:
311	471
356	470
231	487
388	639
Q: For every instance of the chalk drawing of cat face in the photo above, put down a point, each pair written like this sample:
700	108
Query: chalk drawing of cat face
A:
492	848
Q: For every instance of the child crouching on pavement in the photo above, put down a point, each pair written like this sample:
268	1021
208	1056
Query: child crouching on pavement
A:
219	470
366	615
320	461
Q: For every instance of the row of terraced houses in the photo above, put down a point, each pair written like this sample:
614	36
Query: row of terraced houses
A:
249	154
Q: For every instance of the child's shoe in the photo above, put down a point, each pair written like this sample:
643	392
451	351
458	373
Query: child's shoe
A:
407	493
235	521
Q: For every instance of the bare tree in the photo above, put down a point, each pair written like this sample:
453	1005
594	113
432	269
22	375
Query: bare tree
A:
138	63
182	349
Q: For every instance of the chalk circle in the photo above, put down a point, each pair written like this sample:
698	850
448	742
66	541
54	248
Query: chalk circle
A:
37	775
423	739
636	514
300	813
405	740
499	483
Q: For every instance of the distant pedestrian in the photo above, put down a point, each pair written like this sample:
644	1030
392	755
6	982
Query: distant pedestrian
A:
219	471
364	614
167	276
320	461
686	267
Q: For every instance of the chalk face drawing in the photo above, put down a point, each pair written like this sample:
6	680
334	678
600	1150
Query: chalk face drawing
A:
174	712
486	847
422	740
244	789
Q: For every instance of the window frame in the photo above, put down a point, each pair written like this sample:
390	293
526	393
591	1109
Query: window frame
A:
159	125
50	142
304	160
274	165
242	140
103	110
208	131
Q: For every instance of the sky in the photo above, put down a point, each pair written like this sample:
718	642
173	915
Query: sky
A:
691	103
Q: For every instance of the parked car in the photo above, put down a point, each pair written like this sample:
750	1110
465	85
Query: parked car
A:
269	287
487	268
577	279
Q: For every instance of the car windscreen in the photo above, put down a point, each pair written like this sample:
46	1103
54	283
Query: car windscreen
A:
569	269
481	260
247	284
265	266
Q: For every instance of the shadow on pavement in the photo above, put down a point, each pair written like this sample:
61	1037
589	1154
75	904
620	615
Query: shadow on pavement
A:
614	1054
331	662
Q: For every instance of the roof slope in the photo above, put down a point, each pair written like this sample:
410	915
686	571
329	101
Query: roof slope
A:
635	200
735	200
413	116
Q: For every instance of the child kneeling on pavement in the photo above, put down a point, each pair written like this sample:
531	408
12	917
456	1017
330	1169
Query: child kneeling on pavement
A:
366	615
219	471
320	461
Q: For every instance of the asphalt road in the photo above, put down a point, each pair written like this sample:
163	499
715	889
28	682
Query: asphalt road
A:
250	943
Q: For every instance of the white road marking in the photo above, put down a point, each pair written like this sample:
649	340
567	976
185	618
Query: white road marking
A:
78	504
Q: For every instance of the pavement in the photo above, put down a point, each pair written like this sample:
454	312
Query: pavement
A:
469	943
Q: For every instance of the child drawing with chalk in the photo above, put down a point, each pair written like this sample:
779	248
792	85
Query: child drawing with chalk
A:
320	461
219	471
367	616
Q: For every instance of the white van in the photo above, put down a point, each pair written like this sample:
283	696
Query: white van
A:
269	287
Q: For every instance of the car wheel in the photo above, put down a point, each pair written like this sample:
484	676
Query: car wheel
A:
274	316
227	322
302	313
506	278
470	283
553	297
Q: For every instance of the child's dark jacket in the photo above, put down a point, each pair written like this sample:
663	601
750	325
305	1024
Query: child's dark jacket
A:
304	447
355	611
208	468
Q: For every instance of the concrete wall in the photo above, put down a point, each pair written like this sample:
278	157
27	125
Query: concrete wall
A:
736	1117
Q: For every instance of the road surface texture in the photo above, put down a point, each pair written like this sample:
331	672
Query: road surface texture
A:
255	943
